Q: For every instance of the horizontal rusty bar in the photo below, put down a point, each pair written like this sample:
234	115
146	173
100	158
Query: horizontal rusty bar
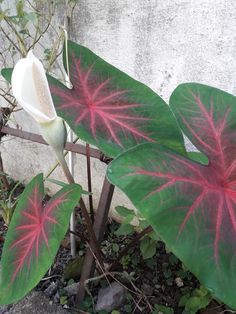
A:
76	148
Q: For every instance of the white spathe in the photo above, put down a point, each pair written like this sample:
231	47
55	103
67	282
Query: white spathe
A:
31	90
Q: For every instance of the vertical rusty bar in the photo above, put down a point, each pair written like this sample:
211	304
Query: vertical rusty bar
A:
99	229
89	177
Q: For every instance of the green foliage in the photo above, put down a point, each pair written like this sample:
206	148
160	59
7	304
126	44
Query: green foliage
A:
6	212
197	300
87	305
161	309
124	229
149	242
128	308
126	213
199	157
127	216
63	300
148	247
20	8
8	202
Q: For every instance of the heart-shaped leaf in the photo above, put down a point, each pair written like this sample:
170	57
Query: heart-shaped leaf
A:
192	206
33	238
109	109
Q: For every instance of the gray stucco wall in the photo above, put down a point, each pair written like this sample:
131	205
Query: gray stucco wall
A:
161	43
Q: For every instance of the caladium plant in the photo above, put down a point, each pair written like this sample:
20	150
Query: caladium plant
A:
33	238
192	206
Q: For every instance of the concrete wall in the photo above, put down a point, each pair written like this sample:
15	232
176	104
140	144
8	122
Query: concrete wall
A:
161	43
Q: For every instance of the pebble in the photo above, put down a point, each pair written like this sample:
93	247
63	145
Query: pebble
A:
72	289
179	282
51	290
111	297
4	309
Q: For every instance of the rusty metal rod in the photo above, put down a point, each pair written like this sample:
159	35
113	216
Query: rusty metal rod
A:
76	148
89	177
99	226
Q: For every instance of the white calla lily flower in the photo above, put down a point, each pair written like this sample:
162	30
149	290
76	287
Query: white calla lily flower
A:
31	90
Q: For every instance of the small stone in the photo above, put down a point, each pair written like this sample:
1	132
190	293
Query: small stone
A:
72	289
4	309
179	282
110	298
56	298
51	290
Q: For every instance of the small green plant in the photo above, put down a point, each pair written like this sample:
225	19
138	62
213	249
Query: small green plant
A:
148	242
161	309
195	301
8	203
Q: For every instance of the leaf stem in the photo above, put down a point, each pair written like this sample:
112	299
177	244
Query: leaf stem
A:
70	179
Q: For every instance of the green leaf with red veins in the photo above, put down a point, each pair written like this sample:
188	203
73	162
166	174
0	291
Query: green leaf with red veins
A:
109	109
33	238
192	206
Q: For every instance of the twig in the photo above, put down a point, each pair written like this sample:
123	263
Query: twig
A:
3	176
79	235
21	42
10	40
36	40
